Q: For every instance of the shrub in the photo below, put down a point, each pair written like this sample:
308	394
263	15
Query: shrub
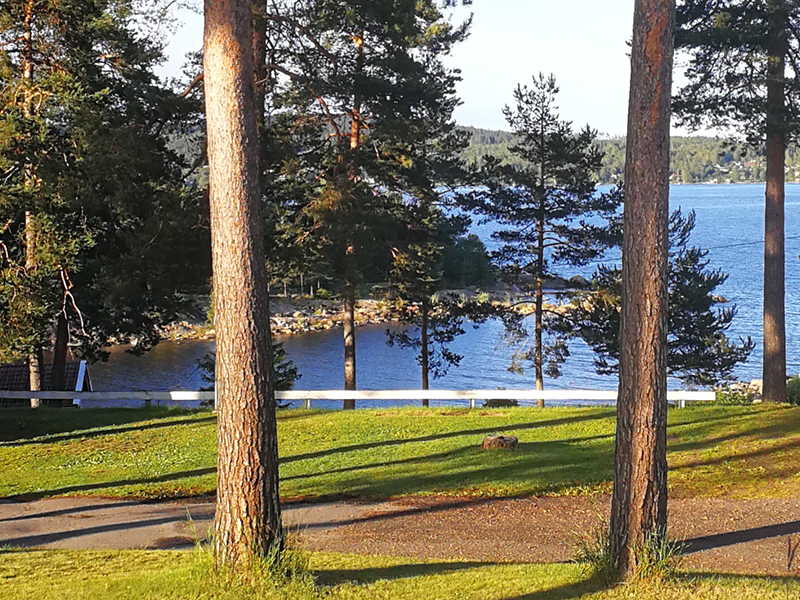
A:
734	397
793	390
500	403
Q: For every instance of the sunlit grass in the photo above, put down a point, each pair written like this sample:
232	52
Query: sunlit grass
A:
179	575
734	451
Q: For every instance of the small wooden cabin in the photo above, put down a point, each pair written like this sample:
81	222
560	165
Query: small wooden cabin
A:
16	378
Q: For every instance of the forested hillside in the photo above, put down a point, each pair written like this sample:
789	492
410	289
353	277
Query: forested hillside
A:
694	159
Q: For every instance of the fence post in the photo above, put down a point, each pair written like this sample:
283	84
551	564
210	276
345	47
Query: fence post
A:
471	403
307	404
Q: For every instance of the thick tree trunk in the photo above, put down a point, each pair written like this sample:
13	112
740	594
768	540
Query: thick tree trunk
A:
58	370
247	522
774	365
639	501
423	351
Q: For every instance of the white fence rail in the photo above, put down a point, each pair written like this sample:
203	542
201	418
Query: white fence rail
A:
307	396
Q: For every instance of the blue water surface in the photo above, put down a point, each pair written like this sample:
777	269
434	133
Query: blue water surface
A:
730	224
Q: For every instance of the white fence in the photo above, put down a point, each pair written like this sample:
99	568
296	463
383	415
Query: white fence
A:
308	396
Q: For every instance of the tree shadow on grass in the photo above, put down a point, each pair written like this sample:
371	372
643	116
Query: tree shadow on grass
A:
786	425
761	452
331	577
437	456
22	427
371	575
446	435
579	589
534	467
72	489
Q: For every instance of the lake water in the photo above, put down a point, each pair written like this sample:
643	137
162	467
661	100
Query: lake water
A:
730	224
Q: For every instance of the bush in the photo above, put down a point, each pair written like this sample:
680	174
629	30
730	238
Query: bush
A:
793	390
500	403
734	397
322	294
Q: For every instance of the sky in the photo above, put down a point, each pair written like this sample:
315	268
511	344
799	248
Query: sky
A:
582	42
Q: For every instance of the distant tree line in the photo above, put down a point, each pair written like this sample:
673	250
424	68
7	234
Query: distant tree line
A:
694	159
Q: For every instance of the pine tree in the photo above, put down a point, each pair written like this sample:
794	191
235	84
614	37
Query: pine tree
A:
94	206
370	75
546	205
698	350
639	499
247	522
743	74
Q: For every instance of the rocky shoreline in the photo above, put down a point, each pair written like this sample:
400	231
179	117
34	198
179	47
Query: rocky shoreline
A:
295	316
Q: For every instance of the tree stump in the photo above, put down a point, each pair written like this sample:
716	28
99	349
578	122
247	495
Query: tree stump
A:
504	442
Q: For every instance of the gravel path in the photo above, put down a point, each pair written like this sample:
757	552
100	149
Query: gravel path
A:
722	535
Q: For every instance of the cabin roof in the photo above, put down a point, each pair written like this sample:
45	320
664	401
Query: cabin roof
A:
15	378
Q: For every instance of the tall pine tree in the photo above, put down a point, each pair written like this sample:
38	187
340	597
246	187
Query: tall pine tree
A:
639	499
546	204
371	76
94	199
743	74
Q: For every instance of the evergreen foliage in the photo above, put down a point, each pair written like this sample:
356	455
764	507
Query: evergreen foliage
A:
744	74
91	187
361	91
465	263
728	44
699	351
546	205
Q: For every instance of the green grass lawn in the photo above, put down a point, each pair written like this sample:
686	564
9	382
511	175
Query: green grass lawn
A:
713	450
175	575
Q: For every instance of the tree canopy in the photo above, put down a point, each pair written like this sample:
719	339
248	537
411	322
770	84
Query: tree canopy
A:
547	206
94	209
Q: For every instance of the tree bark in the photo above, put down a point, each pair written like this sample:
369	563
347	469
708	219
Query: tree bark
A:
260	72
349	331
538	349
247	522
424	351
639	500
58	369
774	365
35	354
349	259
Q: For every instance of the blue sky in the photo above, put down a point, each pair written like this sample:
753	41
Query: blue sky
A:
582	42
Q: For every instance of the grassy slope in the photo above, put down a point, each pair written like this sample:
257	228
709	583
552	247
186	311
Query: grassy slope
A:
142	575
741	451
713	450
